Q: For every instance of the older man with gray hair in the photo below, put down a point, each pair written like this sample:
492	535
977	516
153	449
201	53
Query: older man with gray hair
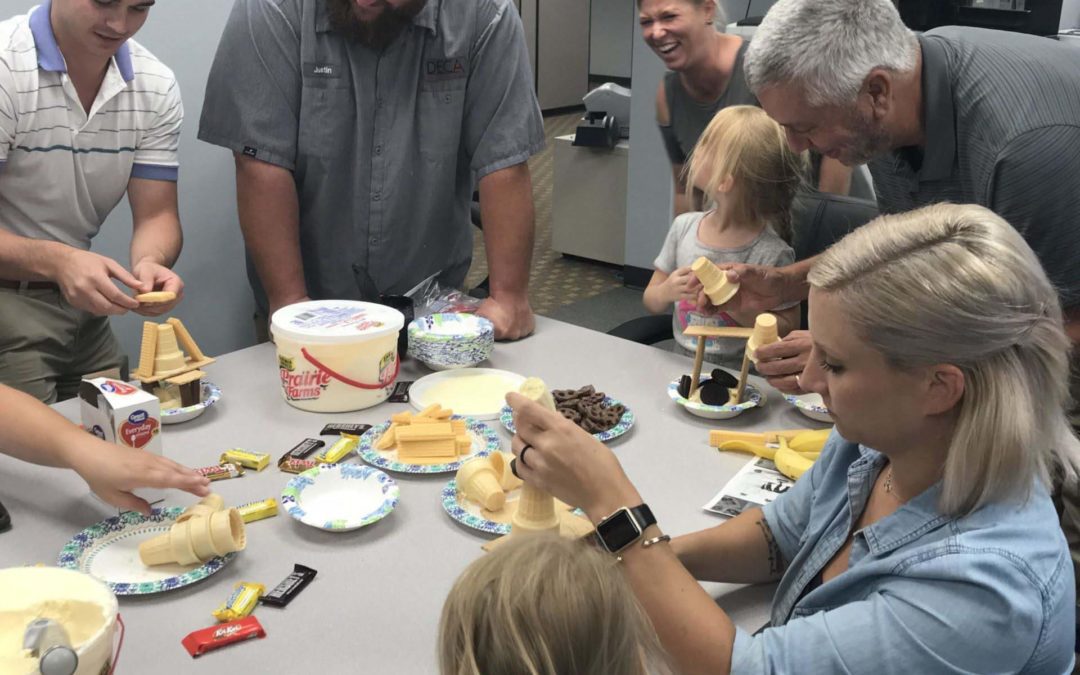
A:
955	114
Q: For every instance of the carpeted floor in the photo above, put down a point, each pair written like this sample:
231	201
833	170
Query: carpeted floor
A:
555	281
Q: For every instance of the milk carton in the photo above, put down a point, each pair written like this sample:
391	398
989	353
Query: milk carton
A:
124	414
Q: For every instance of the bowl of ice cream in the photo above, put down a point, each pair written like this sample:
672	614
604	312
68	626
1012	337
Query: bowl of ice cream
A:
449	341
79	604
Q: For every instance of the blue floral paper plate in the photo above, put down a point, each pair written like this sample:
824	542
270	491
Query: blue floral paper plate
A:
811	405
340	497
485	441
470	514
506	416
109	551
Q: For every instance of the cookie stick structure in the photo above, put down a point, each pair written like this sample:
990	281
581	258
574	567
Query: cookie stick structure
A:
702	333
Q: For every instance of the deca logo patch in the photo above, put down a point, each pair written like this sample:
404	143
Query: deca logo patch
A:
454	68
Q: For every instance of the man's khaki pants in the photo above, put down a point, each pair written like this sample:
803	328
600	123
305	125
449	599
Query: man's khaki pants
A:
47	346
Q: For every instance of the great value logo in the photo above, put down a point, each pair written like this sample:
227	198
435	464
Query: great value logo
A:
138	429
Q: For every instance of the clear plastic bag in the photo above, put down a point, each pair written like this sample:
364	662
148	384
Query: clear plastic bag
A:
431	297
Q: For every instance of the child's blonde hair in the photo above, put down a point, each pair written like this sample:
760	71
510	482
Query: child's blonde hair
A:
742	142
545	605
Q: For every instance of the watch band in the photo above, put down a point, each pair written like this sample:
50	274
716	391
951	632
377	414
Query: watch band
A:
643	515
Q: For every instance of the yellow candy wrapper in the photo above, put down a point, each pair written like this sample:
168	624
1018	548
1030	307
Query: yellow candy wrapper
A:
246	458
253	511
241	602
340	449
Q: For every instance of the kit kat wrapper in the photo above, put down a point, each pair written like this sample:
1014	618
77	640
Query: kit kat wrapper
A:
215	637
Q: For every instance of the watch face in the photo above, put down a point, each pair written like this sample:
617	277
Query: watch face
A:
618	530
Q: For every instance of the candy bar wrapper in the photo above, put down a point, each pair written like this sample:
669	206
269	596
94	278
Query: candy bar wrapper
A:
288	589
246	458
340	449
401	391
214	637
297	465
221	471
302	450
337	428
253	511
241	602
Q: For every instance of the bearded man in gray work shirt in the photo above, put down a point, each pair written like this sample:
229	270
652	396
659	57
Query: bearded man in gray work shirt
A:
360	128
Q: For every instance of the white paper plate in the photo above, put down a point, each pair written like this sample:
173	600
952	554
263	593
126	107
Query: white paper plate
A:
210	395
752	398
340	497
464	392
109	551
811	405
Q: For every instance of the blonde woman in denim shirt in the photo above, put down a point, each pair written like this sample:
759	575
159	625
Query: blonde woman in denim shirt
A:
923	540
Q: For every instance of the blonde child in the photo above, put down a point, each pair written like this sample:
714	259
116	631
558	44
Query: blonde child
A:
743	163
546	605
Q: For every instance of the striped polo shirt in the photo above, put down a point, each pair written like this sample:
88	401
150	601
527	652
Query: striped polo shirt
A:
1001	115
62	168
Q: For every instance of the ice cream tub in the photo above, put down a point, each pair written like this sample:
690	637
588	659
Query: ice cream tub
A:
80	605
336	355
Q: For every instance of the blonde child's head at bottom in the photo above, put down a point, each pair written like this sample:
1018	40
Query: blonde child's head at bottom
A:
546	605
743	159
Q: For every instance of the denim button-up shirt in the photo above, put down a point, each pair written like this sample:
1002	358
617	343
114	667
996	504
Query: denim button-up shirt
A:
989	592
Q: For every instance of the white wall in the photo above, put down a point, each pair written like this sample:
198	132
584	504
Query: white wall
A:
1070	14
612	31
217	304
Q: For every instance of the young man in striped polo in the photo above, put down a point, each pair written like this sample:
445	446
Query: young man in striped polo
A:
86	115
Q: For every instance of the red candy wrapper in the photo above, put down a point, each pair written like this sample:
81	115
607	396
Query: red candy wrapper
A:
208	639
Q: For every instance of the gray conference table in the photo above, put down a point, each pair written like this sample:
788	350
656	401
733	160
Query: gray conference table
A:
375	605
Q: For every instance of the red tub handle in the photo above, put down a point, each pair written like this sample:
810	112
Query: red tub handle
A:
352	383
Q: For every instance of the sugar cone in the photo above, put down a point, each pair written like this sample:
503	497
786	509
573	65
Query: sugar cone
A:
227	531
198	530
765	333
480	483
157	551
204	507
507	478
171	547
717	286
168	357
535	512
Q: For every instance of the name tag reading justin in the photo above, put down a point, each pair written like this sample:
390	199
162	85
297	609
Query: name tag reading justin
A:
323	70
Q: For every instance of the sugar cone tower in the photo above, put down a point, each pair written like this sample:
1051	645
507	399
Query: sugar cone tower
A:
168	358
536	508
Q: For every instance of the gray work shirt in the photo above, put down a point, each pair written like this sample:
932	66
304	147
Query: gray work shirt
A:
385	148
1002	119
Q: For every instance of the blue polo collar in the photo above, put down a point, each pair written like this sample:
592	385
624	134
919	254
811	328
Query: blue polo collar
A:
48	51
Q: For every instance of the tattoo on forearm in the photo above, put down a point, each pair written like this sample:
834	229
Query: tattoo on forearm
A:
776	559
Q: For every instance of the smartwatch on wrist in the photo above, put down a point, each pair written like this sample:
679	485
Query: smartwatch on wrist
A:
624	527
